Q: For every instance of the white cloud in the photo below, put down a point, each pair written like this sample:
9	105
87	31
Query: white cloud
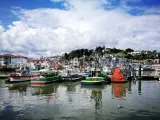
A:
84	25
152	10
57	0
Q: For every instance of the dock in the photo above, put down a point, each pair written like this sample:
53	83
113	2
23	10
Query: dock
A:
150	77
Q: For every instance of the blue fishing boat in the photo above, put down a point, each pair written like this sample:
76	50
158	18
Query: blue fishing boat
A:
86	74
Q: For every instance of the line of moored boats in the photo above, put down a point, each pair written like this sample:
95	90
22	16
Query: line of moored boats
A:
49	75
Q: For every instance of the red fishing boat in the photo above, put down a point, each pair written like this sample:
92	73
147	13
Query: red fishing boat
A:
18	77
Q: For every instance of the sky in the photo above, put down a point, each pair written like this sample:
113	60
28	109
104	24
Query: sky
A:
52	27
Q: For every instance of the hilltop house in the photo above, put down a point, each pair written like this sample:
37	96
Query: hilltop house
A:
139	52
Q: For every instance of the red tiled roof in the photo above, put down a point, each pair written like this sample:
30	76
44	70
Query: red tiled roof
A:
52	57
11	55
35	60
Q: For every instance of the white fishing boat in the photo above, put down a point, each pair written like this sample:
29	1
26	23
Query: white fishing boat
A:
24	75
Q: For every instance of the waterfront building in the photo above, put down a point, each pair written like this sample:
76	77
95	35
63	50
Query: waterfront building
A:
13	61
40	63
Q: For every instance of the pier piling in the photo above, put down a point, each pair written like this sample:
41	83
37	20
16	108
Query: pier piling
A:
139	72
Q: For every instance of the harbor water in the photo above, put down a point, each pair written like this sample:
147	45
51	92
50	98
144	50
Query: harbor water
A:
136	100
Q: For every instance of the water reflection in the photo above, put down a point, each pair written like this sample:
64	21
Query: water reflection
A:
78	102
96	95
47	89
16	115
71	86
20	87
130	86
139	86
93	87
118	90
70	89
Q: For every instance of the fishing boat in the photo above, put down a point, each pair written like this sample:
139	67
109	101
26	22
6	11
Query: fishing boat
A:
24	75
95	78
47	76
71	75
118	76
86	74
93	81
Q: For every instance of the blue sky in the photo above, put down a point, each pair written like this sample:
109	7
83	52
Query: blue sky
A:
7	17
48	27
6	7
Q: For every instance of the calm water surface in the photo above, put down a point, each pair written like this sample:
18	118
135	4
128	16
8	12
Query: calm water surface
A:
138	100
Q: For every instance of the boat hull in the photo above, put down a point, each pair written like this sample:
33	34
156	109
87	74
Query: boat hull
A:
86	82
45	80
93	81
22	78
70	78
119	81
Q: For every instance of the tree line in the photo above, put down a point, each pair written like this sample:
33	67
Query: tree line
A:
101	50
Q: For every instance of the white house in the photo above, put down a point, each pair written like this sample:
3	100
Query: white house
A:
139	52
40	63
13	61
75	62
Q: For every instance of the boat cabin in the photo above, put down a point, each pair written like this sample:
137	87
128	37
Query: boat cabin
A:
95	73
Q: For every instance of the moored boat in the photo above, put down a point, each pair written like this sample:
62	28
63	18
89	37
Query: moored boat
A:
86	74
47	76
96	78
18	77
72	78
71	75
93	81
24	74
118	76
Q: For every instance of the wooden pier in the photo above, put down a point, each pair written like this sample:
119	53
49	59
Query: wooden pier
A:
147	77
150	77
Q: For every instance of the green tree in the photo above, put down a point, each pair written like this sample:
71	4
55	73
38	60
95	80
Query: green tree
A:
129	56
128	50
66	56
